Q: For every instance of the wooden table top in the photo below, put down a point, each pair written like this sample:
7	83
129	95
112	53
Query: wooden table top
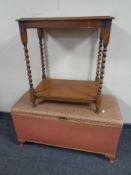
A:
67	18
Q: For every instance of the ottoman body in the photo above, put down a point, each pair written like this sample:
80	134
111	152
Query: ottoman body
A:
69	125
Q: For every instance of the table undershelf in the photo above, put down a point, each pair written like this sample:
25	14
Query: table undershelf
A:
67	90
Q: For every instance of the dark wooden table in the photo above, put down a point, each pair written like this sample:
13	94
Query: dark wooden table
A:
67	90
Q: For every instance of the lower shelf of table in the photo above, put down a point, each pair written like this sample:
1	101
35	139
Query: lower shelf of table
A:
67	90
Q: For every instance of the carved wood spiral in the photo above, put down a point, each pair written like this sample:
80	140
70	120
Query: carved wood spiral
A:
99	60
28	66
102	70
42	52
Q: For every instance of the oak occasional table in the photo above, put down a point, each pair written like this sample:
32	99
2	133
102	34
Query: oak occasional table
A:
67	90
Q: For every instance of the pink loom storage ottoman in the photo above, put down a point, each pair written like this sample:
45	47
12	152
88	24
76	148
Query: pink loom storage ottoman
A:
70	125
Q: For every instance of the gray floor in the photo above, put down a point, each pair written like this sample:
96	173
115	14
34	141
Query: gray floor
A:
35	159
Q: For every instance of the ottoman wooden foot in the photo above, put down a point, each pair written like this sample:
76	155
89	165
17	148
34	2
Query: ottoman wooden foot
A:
111	161
21	142
110	158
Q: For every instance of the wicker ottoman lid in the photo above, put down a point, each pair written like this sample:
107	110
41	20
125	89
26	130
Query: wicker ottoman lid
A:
74	112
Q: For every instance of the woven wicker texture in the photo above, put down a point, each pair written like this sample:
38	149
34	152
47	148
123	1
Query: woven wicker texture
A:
83	113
